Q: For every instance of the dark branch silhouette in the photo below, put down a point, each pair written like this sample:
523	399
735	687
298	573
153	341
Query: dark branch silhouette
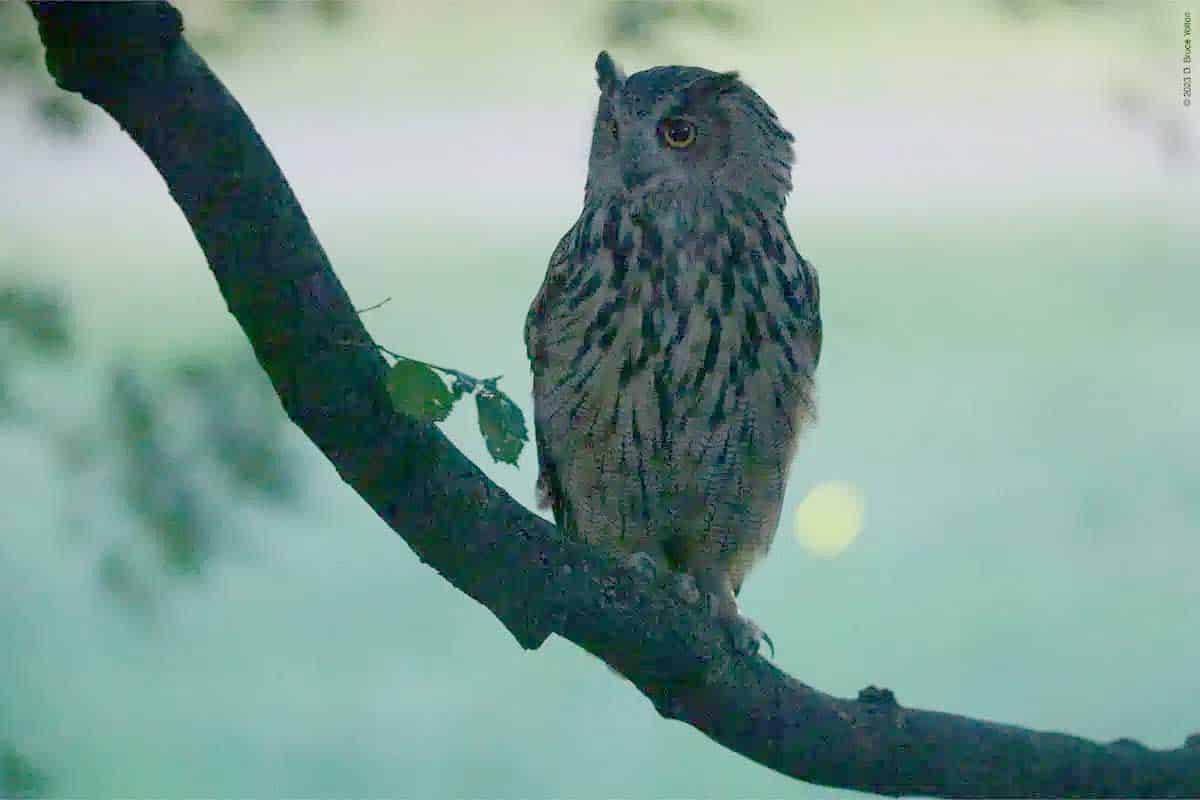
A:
131	60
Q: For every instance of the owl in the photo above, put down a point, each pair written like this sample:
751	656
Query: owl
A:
674	338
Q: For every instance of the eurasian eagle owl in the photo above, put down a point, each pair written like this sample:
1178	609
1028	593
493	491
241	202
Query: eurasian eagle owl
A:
675	336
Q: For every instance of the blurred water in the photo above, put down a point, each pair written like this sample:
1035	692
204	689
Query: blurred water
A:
1008	378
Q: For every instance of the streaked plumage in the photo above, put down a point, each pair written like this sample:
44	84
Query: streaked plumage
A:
674	339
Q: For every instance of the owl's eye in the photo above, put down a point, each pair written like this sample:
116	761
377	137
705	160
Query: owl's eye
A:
677	132
612	128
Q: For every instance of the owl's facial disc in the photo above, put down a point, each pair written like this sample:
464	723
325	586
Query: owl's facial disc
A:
668	150
684	137
642	160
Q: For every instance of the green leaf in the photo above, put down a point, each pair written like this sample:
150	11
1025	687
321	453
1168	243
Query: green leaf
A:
501	423
418	391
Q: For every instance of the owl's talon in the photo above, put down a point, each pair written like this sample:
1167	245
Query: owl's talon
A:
748	637
698	509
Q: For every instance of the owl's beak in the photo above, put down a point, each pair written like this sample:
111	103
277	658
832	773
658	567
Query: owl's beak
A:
636	162
634	170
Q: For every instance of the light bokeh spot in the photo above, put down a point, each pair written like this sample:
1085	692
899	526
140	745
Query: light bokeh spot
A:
829	518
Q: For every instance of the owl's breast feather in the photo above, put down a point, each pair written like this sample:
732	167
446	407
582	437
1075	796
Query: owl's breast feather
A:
705	325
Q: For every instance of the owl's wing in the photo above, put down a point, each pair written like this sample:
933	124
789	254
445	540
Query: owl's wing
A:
815	330
807	300
549	487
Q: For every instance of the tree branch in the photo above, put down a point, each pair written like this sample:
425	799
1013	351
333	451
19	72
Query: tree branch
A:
131	59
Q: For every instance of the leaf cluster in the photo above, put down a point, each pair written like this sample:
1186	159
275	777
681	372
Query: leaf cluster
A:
418	390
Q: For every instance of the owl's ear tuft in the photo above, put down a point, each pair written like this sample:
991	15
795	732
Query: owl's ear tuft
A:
609	76
709	87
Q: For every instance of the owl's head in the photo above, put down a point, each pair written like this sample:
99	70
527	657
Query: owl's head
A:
685	135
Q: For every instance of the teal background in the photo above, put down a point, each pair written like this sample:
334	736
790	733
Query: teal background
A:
1002	210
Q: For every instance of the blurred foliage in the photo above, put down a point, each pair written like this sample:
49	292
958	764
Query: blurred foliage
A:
640	23
32	323
19	777
1163	121
645	23
176	443
229	27
61	113
330	12
181	443
224	27
1030	9
36	320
